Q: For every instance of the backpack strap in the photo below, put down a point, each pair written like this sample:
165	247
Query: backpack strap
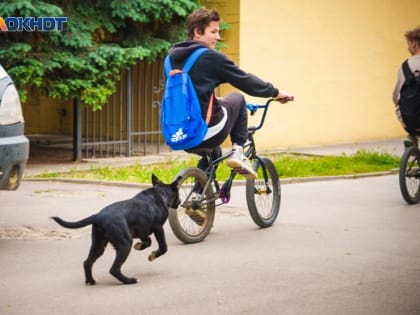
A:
167	65
406	70
188	65
193	58
209	110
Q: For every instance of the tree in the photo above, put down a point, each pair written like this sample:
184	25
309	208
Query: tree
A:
98	40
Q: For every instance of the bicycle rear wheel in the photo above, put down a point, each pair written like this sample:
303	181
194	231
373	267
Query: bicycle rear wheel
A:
409	175
263	194
193	219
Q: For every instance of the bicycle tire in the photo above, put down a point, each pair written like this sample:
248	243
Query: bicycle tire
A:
263	194
409	175
188	224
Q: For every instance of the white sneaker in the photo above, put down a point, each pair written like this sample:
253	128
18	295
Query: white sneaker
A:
240	163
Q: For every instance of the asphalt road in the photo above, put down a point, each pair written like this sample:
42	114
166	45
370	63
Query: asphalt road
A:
338	247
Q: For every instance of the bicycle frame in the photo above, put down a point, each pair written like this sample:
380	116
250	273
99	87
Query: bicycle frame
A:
199	190
249	151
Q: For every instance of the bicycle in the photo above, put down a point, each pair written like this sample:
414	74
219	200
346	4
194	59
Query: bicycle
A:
409	173
200	190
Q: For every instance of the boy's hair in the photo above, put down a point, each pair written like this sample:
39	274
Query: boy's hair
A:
200	19
413	35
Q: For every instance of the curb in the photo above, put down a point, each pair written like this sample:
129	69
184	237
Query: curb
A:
328	178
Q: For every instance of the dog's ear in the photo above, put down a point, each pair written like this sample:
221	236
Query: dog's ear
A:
155	180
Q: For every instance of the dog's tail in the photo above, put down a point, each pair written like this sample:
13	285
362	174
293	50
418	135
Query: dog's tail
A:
74	225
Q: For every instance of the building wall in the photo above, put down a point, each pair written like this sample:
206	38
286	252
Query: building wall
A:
230	13
45	115
339	59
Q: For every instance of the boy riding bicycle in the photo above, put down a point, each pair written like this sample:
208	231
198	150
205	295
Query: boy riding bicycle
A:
229	114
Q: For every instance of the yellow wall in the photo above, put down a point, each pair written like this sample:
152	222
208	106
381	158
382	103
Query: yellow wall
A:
339	59
229	11
47	116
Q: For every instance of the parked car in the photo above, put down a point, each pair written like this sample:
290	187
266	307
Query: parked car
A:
14	146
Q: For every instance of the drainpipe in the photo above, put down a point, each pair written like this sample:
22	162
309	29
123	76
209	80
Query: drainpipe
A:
129	110
77	130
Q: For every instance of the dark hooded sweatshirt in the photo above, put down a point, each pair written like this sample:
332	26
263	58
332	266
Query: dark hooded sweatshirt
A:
212	69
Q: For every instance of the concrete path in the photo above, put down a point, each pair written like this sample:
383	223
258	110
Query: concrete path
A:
338	247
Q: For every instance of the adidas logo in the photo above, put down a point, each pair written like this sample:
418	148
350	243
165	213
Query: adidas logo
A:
178	136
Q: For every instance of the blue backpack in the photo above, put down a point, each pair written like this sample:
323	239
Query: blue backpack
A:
183	126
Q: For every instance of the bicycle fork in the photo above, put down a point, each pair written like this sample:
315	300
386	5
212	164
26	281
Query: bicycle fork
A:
266	190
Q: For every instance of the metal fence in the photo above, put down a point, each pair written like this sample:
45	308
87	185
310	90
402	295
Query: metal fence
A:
129	123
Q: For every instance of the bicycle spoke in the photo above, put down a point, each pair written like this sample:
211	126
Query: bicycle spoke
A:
263	194
193	219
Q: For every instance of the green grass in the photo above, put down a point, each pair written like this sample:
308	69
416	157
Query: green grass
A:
360	162
287	165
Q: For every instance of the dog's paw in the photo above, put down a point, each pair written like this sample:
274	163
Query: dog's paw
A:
138	246
152	256
131	281
90	282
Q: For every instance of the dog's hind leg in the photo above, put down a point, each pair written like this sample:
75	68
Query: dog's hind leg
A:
123	250
145	242
96	250
160	237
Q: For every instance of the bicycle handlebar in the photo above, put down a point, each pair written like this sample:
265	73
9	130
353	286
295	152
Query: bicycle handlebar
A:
254	107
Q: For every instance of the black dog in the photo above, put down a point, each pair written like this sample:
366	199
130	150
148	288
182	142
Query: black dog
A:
122	221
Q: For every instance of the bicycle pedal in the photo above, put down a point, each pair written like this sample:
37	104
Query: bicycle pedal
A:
224	196
198	216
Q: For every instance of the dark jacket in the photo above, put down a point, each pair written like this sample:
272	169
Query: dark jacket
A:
212	69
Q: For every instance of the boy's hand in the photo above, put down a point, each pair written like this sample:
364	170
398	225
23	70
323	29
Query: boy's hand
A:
284	97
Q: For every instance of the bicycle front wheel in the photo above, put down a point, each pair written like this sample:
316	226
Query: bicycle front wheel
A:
409	175
194	218
263	194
